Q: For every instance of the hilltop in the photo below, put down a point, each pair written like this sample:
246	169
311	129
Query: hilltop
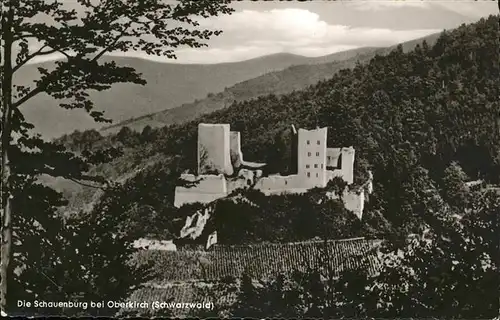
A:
169	85
408	115
296	77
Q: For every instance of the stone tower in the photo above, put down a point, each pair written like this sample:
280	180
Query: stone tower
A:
214	149
311	145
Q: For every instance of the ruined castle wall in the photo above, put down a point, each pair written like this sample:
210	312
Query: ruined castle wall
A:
347	168
330	174
277	183
235	149
207	188
245	180
236	184
284	191
237	155
294	165
354	202
311	160
332	157
214	149
219	151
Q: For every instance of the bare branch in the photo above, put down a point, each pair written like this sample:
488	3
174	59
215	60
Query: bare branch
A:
108	48
30	95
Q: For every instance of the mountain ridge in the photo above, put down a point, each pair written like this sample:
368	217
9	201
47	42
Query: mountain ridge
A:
351	103
169	85
408	116
295	77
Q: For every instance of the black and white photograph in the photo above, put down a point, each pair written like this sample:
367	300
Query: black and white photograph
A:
250	159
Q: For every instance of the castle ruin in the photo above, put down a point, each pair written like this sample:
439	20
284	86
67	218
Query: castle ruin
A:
222	169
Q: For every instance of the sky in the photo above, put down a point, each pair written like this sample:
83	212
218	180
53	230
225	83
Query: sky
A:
317	28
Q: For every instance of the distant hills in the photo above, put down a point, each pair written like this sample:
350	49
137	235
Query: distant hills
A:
408	115
303	73
169	85
430	106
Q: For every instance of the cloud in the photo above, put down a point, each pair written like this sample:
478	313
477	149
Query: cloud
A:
300	27
468	8
374	5
291	30
250	33
474	9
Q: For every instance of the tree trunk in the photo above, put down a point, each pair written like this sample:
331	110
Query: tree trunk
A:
5	141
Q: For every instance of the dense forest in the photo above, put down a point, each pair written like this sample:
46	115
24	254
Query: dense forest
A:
296	77
425	122
418	120
449	270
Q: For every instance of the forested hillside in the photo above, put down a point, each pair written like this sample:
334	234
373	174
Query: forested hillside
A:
416	119
296	77
168	85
